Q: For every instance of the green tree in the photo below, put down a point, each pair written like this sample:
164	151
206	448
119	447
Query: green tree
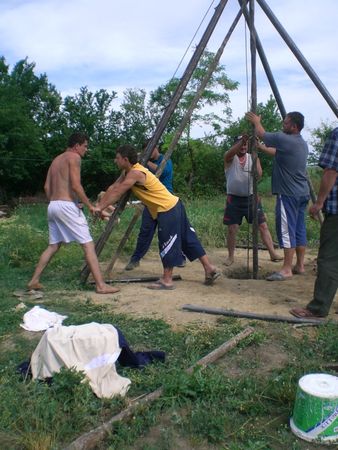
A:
27	105
318	138
215	93
135	123
93	113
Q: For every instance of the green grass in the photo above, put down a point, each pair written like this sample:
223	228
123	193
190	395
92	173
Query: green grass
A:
235	405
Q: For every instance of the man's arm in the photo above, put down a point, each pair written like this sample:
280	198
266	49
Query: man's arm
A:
75	181
259	168
326	184
256	121
271	151
117	189
230	154
47	185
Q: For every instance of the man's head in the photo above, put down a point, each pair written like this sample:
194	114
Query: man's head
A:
293	123
79	142
243	140
156	151
126	156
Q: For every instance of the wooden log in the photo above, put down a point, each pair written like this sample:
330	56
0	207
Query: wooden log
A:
248	315
137	279
93	437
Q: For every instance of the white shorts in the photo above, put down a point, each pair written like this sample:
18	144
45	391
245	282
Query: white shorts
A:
67	223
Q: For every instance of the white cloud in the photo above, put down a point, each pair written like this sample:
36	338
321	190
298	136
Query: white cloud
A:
138	44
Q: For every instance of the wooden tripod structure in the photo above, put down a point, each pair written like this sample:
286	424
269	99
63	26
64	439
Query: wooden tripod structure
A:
255	47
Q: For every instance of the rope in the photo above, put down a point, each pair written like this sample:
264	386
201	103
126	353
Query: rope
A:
192	39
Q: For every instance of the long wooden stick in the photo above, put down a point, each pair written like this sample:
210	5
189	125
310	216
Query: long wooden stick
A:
137	279
91	439
248	315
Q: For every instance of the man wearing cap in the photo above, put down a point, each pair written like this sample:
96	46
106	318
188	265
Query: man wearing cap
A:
239	185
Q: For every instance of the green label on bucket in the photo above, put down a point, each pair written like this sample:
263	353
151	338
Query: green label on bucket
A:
316	417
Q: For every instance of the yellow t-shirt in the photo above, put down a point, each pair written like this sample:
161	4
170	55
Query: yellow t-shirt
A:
153	193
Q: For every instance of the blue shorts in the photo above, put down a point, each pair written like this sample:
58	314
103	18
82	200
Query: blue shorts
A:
176	235
238	207
290	221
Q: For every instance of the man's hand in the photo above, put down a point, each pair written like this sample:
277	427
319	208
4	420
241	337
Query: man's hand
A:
95	211
314	210
253	118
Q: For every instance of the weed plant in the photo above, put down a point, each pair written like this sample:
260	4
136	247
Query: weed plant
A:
213	408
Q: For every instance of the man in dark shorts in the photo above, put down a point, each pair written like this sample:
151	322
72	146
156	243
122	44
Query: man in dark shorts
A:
237	168
175	234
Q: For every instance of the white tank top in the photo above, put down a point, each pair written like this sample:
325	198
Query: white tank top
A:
239	179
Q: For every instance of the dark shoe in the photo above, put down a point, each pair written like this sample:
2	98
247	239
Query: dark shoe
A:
131	265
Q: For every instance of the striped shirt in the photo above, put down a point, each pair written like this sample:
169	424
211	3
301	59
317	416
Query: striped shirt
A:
329	160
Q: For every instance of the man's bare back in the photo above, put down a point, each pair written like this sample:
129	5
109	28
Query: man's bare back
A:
58	181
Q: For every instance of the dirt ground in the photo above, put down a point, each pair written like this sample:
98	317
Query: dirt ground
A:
233	290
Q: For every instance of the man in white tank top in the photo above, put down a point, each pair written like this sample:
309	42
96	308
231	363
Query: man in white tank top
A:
237	169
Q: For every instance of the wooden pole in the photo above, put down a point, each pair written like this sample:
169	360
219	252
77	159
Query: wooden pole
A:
298	54
180	130
160	126
93	437
248	315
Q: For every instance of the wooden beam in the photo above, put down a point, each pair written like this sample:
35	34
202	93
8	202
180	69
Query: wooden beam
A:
248	315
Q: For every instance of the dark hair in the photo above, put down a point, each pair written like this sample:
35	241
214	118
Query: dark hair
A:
297	119
129	152
146	142
77	138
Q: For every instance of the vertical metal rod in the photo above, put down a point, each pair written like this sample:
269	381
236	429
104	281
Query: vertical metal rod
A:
253	142
298	54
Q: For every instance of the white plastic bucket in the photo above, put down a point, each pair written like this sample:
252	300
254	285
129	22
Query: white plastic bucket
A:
315	414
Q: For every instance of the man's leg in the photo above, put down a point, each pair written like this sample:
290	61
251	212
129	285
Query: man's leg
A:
327	270
93	264
144	239
299	266
231	243
267	240
301	240
45	257
286	269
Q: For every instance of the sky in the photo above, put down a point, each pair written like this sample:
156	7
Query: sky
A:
105	44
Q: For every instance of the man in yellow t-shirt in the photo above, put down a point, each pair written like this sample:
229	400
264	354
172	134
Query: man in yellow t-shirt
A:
175	234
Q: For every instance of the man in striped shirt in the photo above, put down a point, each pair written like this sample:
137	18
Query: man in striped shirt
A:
327	262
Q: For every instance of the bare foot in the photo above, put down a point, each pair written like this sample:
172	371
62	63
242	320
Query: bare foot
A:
35	286
298	271
229	261
106	289
276	258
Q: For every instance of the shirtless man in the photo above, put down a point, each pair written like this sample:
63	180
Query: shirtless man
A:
66	220
175	234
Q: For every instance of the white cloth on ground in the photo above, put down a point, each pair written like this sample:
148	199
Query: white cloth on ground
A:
67	223
39	319
92	348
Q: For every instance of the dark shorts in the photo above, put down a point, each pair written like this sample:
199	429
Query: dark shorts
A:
176	235
238	207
